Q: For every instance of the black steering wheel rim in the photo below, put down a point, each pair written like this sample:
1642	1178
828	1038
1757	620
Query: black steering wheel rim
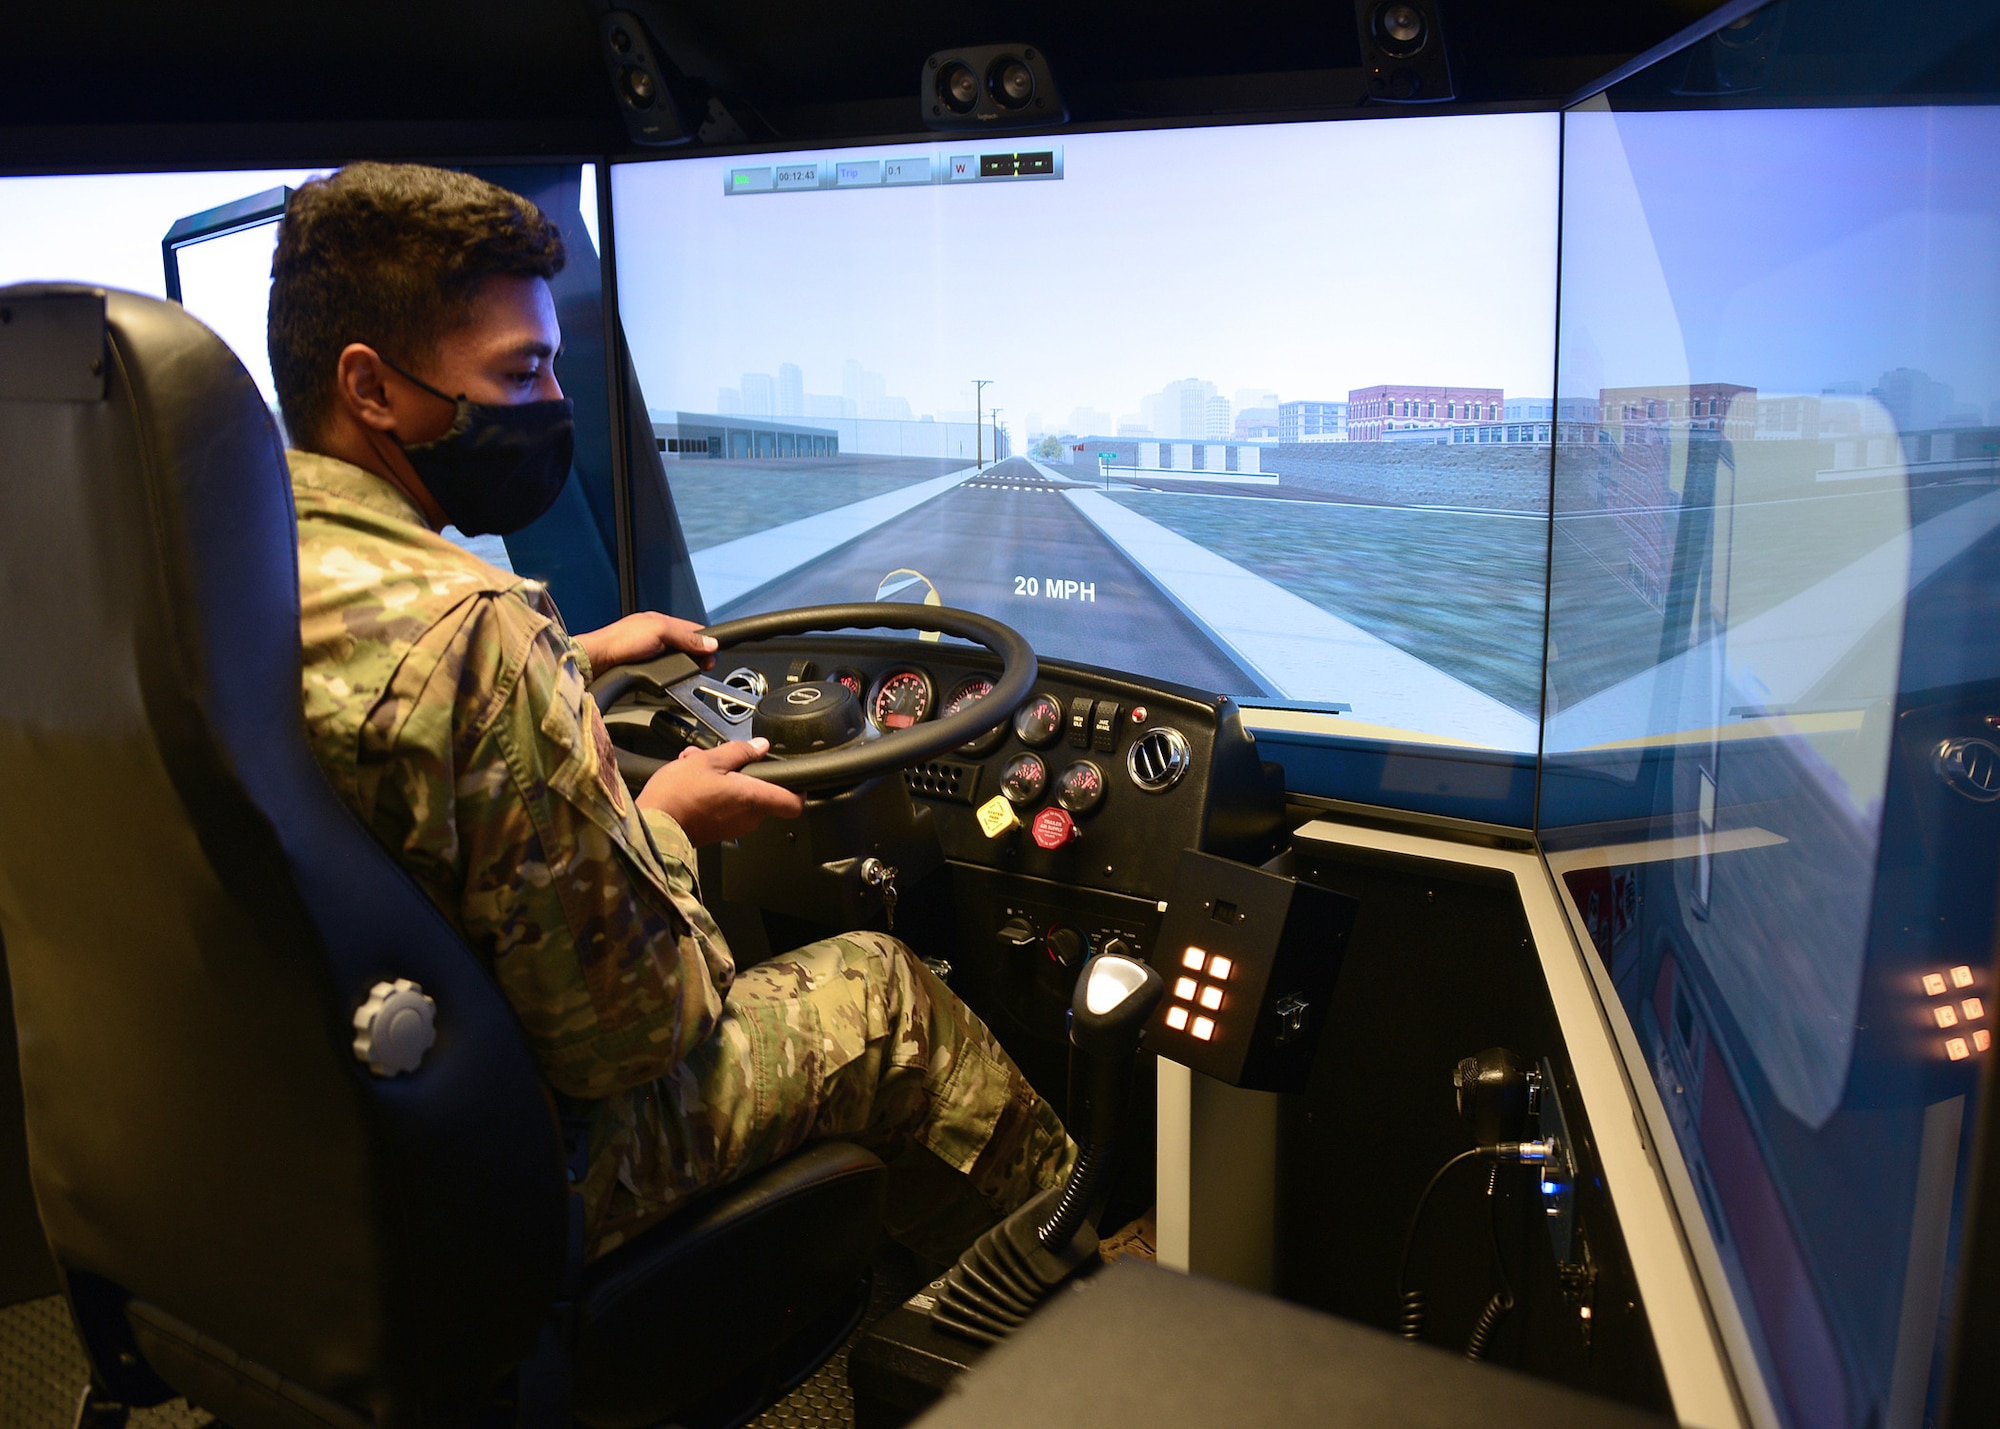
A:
853	763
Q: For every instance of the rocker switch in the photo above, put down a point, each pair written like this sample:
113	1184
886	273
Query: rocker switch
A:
1079	723
1104	727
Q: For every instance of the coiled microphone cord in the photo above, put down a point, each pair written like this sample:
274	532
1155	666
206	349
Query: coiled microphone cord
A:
1411	1302
1502	1300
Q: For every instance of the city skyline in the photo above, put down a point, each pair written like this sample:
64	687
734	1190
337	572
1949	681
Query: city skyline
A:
1140	268
1904	398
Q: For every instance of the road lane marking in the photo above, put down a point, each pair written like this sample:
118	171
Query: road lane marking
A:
734	569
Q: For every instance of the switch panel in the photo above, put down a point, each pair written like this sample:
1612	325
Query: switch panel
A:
1249	959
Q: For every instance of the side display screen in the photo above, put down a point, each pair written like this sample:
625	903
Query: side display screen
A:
107	229
1770	768
1262	410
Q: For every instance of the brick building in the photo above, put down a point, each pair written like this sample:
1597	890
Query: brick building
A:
1654	414
1371	411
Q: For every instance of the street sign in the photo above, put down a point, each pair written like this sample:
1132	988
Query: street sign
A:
1107	456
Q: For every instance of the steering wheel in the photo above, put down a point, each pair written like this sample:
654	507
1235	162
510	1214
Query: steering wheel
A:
679	680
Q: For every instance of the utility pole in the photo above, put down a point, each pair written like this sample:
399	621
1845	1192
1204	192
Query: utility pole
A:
996	434
979	386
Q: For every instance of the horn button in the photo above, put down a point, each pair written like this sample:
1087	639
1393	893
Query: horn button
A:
808	717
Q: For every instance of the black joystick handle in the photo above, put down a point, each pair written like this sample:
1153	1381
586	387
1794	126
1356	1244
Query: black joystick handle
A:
1108	1013
1009	1270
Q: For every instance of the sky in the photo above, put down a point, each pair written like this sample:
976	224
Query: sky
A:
1784	249
1309	259
1304	258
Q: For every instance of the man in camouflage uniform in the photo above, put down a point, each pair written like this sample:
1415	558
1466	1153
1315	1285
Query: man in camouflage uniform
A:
450	708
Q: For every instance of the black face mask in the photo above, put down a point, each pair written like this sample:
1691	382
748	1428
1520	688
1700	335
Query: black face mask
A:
500	466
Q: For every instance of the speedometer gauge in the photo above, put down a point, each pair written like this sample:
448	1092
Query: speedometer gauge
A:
902	698
965	694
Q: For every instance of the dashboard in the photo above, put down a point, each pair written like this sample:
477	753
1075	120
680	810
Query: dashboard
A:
1101	780
1061	828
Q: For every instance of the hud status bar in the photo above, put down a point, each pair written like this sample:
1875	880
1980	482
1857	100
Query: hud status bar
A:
819	174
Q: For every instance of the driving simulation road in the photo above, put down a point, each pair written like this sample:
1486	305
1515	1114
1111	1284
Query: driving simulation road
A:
1007	544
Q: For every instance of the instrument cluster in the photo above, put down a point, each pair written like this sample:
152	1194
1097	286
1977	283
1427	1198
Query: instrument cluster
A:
1079	745
903	695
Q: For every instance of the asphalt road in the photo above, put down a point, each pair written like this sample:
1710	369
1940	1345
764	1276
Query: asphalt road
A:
997	544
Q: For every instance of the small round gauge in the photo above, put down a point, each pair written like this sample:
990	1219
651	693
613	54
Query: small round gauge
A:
1039	721
901	699
1080	788
1024	778
850	678
965	694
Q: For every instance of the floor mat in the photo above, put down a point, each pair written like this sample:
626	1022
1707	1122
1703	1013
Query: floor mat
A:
42	1368
824	1401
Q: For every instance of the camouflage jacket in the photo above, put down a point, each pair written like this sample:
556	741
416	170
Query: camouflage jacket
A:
449	707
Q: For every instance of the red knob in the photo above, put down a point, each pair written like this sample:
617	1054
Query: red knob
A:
1053	828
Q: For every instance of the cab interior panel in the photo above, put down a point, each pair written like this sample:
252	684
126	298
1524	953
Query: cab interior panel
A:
1395	598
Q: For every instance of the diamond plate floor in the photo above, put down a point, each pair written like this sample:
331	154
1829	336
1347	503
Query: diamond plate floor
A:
42	1371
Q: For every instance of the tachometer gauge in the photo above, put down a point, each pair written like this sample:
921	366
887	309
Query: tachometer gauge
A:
1024	778
901	699
856	686
964	695
1039	721
967	693
1080	788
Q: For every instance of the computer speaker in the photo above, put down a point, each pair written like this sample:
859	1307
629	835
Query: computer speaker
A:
978	87
1737	58
1402	51
642	81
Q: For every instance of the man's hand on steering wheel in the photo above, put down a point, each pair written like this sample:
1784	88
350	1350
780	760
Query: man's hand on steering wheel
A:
645	636
674	680
702	792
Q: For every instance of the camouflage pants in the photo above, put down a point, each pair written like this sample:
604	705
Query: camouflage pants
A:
849	1038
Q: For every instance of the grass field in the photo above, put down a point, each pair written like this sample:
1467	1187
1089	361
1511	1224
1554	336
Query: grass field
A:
721	500
1461	591
1602	632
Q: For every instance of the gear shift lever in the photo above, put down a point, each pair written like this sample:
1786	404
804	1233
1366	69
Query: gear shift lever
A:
1011	1269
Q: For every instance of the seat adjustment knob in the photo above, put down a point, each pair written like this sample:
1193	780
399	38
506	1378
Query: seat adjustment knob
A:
394	1027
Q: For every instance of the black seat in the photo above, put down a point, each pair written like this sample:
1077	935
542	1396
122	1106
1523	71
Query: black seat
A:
241	1212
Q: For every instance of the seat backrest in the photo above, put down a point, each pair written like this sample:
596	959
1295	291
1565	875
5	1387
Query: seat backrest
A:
191	918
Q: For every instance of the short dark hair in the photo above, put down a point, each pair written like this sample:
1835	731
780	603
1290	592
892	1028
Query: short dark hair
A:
387	254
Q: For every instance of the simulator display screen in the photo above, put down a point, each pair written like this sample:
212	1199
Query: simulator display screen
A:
1262	410
1774	673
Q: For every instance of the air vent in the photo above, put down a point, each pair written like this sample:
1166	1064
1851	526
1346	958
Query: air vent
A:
944	779
1970	766
1157	759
